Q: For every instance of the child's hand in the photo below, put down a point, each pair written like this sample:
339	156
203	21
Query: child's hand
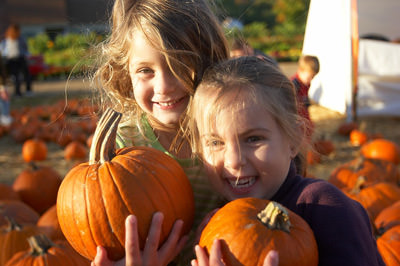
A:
150	255
215	259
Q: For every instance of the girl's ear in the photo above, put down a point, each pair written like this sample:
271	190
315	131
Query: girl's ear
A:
294	150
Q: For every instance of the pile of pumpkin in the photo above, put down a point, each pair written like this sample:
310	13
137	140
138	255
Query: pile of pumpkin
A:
373	179
29	227
68	125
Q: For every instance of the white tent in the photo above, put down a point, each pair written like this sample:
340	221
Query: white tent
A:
332	31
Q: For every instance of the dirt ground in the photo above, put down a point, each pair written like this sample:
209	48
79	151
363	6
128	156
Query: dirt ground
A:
326	125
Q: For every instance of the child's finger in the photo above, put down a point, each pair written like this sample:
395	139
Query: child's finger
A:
132	248
153	238
171	247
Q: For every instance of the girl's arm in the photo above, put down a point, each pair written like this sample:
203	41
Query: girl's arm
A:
150	255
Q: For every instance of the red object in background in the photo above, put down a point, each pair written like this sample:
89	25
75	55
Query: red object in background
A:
36	64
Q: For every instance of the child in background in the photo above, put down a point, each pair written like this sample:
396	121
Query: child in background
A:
154	59
308	67
245	127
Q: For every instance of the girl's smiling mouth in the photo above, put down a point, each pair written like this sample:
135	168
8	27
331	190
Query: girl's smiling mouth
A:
241	185
167	105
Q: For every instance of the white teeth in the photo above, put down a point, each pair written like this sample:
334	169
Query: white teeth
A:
167	103
242	182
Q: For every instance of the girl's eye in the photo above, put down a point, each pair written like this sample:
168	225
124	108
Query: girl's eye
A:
253	139
145	70
213	143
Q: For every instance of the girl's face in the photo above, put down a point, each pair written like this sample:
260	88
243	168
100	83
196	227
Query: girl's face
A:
156	90
245	153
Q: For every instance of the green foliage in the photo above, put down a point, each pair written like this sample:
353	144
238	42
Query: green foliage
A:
67	50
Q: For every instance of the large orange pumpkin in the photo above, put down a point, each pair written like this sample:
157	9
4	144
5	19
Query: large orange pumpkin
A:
95	197
43	252
249	228
382	149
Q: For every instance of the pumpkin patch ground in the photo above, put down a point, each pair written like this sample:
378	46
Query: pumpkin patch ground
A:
326	122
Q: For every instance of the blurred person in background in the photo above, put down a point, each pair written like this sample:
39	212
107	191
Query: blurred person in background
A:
14	51
5	118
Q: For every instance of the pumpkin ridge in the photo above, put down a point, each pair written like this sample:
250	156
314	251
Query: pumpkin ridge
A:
97	217
115	226
83	243
152	204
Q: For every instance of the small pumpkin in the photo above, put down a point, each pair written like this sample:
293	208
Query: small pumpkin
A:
257	225
34	150
324	146
95	197
75	150
358	137
43	252
38	186
382	149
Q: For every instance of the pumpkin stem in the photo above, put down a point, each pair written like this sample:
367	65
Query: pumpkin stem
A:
275	216
359	183
103	143
12	224
39	244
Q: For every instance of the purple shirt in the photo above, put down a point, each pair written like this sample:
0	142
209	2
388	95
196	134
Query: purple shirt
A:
341	225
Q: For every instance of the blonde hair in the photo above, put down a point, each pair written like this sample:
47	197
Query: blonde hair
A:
261	82
186	32
309	63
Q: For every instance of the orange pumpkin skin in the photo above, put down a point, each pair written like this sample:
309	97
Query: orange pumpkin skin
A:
388	217
389	246
95	198
376	197
8	193
358	137
382	149
37	186
17	210
13	239
373	171
246	240
46	253
49	225
34	150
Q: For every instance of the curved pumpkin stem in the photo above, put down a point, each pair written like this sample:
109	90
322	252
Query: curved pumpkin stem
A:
275	216
12	224
103	143
39	244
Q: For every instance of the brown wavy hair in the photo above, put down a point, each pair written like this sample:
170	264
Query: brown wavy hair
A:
186	32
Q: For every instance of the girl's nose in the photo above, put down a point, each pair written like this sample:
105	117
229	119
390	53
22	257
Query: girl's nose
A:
166	82
234	157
